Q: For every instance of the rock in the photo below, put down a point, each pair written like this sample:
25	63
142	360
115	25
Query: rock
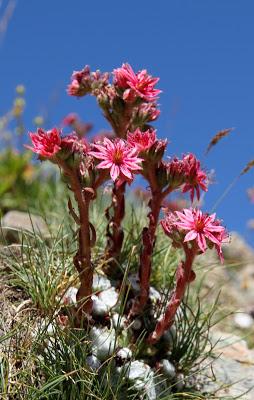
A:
233	368
103	342
124	354
243	320
136	324
119	321
100	282
93	362
168	369
100	309
169	336
70	296
134	283
14	223
141	376
154	295
237	250
180	383
109	297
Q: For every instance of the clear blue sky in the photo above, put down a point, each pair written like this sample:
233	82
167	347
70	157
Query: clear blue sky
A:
203	52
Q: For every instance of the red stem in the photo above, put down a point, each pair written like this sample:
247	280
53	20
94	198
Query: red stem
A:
114	230
148	240
184	275
82	260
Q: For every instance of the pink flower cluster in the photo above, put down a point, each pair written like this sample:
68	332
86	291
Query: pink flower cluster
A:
135	85
188	174
49	143
143	141
45	143
201	229
118	157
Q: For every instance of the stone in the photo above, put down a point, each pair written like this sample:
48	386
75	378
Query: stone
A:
233	368
243	320
109	297
100	282
103	342
154	295
124	353
14	223
93	362
119	321
70	296
168	369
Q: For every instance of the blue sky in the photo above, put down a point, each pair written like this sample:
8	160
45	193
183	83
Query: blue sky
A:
203	52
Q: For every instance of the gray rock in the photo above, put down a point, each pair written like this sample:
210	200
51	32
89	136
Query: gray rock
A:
134	282
70	296
124	353
170	336
100	309
14	223
100	282
93	362
109	297
168	369
103	342
119	321
154	295
233	368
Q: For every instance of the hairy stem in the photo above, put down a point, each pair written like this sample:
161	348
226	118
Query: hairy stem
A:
115	233
184	275
82	260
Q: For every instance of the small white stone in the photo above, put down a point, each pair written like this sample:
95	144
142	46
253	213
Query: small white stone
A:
180	383
243	320
103	342
100	282
136	324
170	336
154	295
99	307
118	321
168	369
125	353
93	362
70	296
134	283
109	297
138	370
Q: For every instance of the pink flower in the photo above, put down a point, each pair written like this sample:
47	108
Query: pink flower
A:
141	140
135	84
202	228
46	143
195	178
80	82
118	157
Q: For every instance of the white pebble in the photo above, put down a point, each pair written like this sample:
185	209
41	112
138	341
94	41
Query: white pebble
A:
93	362
70	296
100	282
243	320
124	353
168	369
109	297
103	342
99	307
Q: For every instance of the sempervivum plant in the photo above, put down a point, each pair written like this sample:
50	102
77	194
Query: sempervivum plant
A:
116	308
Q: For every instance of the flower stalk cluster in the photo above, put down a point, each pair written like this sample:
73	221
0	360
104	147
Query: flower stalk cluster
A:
129	103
